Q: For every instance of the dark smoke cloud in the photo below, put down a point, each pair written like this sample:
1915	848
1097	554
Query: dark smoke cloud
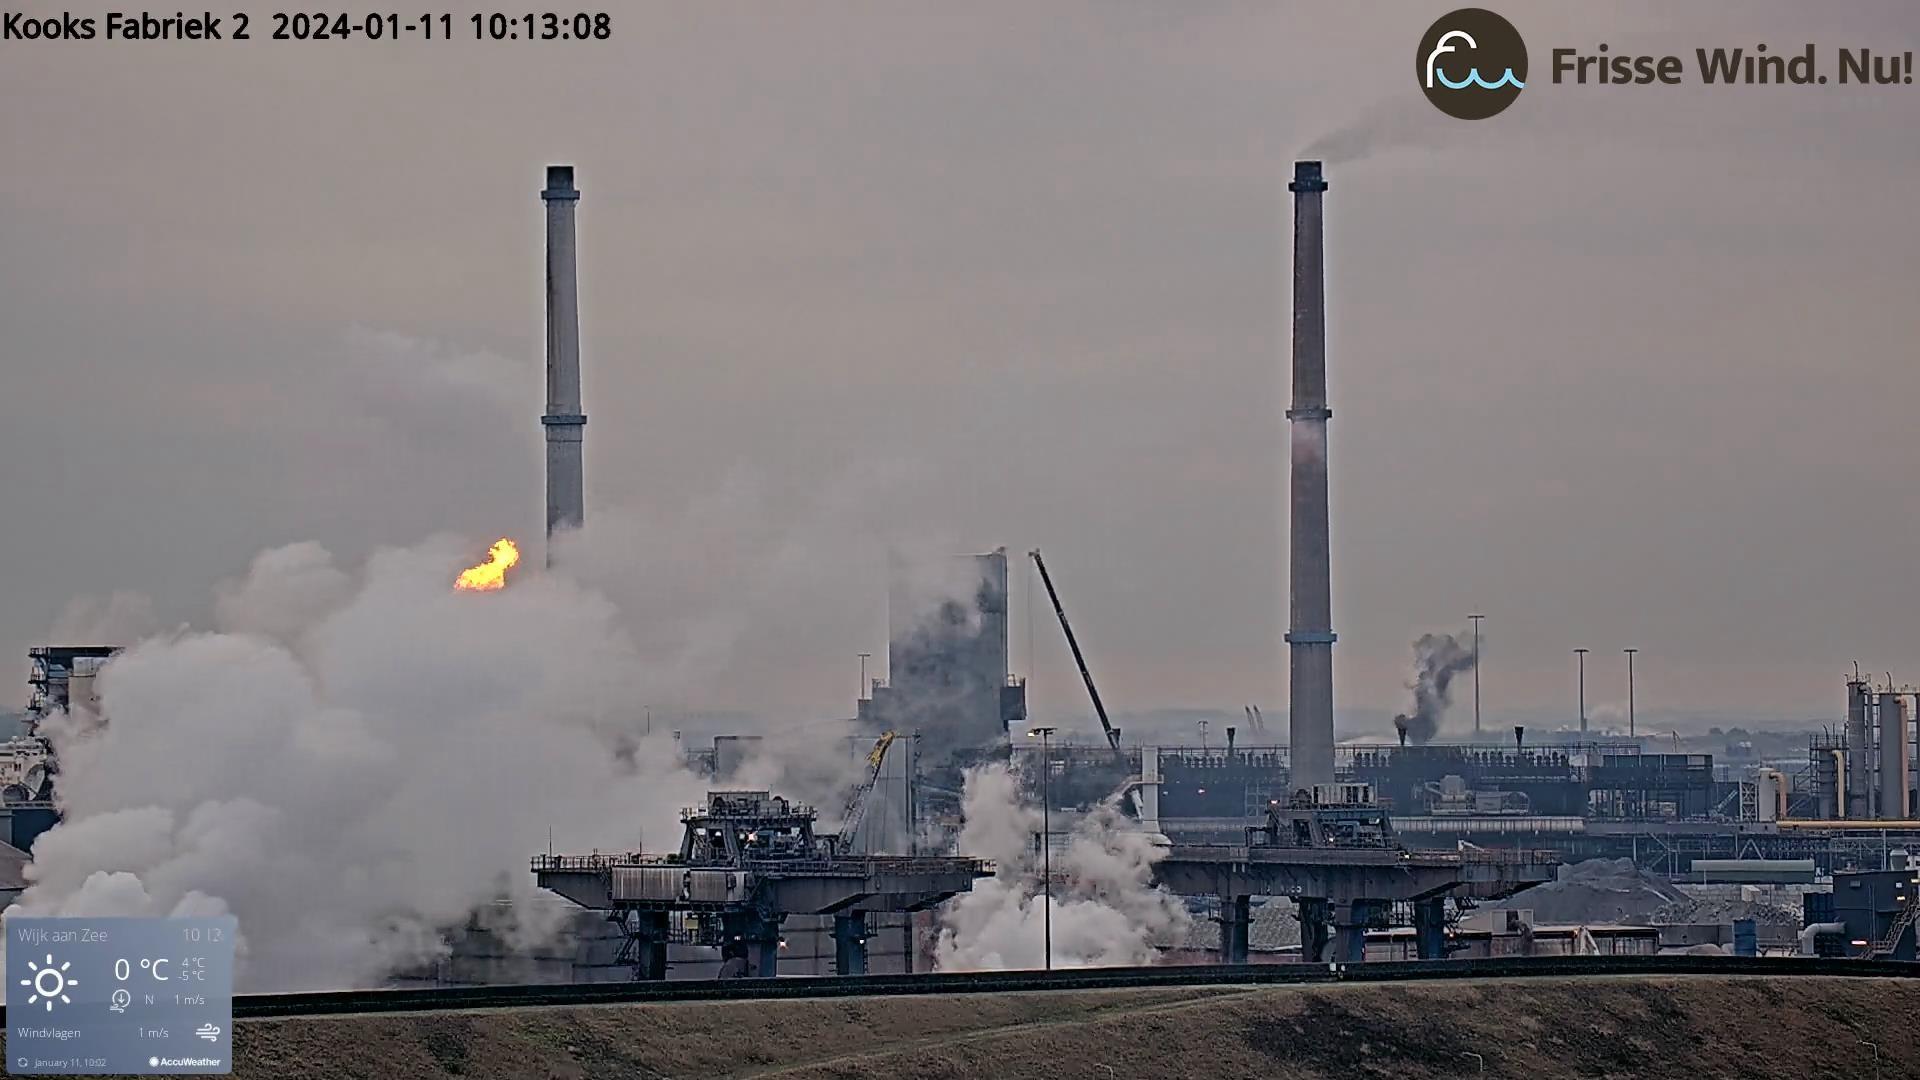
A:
1391	124
1400	122
1437	658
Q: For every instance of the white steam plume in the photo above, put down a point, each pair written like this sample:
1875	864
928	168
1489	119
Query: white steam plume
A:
114	619
287	590
362	762
817	764
751	594
359	756
1106	911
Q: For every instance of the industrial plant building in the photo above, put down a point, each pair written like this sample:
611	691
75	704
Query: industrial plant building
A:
947	678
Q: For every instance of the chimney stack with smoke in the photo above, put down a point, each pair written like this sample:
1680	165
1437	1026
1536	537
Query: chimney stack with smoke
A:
1310	626
1437	658
564	422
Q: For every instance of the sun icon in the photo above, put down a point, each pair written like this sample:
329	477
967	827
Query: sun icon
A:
49	982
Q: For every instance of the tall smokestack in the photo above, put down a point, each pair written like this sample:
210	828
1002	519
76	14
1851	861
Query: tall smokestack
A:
1310	627
565	423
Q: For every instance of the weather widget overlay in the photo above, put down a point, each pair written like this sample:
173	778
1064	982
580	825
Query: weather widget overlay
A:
120	995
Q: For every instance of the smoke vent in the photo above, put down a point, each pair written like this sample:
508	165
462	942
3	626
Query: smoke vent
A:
1310	634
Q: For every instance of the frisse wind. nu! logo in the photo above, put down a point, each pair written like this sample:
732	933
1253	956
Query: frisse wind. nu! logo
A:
1471	63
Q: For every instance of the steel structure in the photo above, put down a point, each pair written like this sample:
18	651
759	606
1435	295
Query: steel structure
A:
1335	854
52	669
1093	692
856	810
747	860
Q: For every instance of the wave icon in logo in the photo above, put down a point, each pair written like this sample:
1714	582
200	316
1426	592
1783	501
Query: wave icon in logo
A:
1476	40
1473	76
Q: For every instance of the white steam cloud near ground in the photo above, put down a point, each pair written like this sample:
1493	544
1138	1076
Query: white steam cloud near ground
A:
1106	911
353	761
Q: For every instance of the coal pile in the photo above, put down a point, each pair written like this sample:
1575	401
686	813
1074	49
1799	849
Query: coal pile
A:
1720	912
1599	891
1719	905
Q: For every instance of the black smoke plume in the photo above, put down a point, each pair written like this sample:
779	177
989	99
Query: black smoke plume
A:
1437	658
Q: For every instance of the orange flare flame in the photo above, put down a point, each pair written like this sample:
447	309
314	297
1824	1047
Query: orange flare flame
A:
492	574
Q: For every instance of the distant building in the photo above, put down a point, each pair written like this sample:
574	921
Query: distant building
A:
947	681
1273	937
1876	906
63	678
731	752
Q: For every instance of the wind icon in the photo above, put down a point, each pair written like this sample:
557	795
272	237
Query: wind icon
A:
49	982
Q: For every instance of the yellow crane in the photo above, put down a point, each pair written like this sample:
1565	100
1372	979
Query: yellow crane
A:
857	805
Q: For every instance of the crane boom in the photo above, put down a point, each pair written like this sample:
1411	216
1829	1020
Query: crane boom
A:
857	805
1113	737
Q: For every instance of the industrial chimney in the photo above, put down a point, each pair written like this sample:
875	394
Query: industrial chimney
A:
1858	783
1310	626
563	420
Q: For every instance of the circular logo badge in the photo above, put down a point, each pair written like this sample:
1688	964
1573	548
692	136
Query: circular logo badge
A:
1471	63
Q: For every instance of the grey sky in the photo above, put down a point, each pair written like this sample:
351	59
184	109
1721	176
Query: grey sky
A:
1622	366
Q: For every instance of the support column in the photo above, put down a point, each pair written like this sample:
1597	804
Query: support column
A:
1350	931
760	937
645	947
1430	927
656	954
1235	920
1315	917
767	964
850	943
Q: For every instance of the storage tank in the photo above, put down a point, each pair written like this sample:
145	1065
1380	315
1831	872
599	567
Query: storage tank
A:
1769	795
1894	744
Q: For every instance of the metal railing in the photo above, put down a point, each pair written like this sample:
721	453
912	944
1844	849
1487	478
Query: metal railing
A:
851	866
1509	856
594	862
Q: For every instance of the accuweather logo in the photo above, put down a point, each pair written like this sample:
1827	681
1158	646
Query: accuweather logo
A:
1471	64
